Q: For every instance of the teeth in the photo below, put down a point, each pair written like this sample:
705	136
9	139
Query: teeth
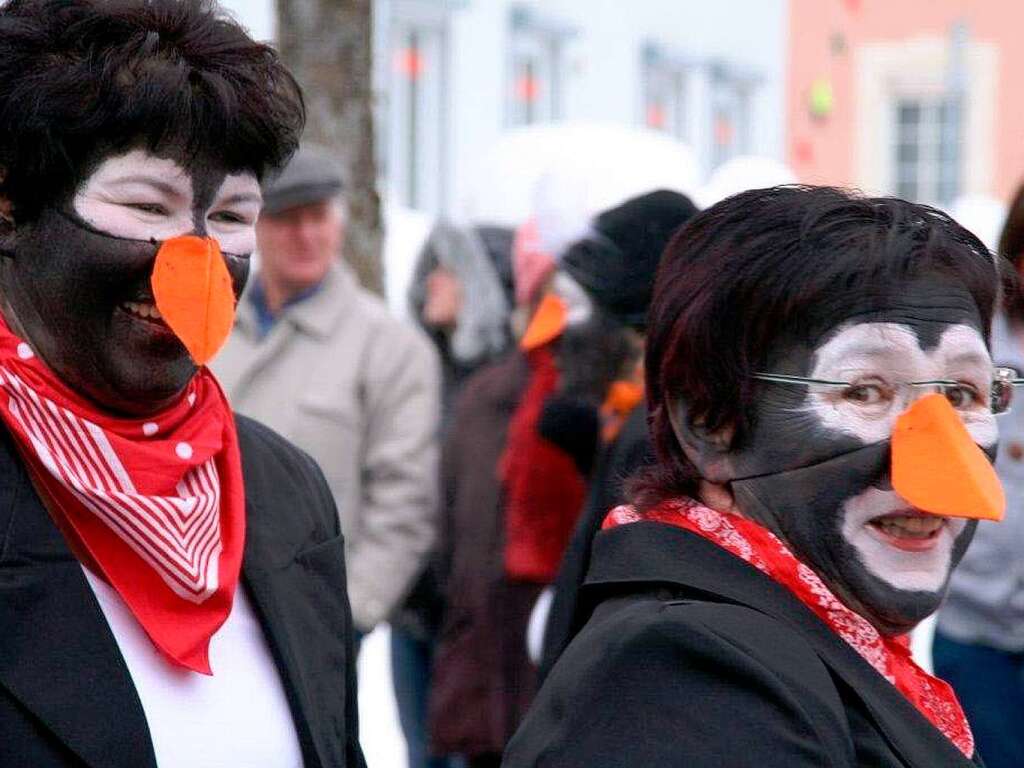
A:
910	526
142	310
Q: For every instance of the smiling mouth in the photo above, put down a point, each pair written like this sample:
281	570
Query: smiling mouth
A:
908	530
144	311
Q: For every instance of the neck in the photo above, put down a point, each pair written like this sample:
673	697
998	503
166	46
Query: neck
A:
277	293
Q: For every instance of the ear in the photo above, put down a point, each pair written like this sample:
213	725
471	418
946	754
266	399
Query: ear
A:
708	450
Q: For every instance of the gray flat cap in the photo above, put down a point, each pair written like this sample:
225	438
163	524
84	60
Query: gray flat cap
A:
311	176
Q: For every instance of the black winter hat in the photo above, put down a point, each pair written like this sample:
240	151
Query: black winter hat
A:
616	263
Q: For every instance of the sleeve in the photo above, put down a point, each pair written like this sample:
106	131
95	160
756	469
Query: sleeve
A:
399	473
649	689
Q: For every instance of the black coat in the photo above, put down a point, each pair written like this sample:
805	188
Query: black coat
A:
66	696
692	657
630	451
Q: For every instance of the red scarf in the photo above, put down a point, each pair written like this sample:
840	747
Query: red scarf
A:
155	505
890	656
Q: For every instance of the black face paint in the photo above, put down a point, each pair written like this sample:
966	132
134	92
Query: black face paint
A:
804	507
64	289
801	477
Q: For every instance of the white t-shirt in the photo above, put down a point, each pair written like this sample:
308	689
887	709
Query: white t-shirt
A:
237	717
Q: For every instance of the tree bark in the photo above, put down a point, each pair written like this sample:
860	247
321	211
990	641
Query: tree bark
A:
328	45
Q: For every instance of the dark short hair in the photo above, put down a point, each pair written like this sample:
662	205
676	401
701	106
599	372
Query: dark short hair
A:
1011	248
80	79
752	270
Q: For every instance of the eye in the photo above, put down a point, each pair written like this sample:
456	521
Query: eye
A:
230	217
867	394
152	208
962	395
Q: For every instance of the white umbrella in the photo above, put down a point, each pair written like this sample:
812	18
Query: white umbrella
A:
562	174
742	173
982	215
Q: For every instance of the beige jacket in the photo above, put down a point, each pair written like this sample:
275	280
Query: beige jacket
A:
359	391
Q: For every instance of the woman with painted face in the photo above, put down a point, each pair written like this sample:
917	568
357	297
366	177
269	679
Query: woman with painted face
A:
979	642
821	399
172	583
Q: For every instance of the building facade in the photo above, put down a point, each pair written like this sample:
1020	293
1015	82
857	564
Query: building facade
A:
918	98
454	75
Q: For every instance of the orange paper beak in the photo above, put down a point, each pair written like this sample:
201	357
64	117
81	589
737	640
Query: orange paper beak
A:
937	466
192	290
546	325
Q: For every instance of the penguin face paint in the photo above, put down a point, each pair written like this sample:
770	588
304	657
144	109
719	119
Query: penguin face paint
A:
78	285
815	467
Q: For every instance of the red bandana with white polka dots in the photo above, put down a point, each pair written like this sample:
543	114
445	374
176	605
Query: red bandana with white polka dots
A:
154	505
890	656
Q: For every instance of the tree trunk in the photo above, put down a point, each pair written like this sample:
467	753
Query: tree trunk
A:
328	44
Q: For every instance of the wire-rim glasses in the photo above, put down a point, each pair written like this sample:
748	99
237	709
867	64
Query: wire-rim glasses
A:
1000	395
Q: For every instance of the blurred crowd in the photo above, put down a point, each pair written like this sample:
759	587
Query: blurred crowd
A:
476	447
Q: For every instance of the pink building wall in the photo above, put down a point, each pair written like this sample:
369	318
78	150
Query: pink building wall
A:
824	37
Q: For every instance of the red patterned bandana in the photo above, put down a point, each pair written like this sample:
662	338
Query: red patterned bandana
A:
890	656
156	505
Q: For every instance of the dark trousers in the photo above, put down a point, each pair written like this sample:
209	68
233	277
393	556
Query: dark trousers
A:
990	686
410	671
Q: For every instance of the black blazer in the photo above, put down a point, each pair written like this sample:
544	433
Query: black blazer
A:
66	697
691	657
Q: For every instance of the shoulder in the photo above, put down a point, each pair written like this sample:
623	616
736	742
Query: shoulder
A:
496	382
275	469
723	684
717	633
390	337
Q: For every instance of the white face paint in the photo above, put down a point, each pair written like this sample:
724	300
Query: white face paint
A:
140	196
925	570
879	357
578	305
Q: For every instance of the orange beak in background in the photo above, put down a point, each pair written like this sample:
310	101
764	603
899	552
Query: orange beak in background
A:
937	466
192	289
546	325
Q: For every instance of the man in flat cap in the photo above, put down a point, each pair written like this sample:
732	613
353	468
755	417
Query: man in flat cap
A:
320	360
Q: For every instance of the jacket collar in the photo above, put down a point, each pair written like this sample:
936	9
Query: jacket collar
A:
57	654
59	658
647	554
317	315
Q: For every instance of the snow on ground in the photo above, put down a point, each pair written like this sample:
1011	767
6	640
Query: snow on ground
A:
379	731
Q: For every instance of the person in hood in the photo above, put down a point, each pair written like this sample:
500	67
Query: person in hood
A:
461	295
172	578
979	638
822	404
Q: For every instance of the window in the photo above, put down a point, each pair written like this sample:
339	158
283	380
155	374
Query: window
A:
664	91
536	67
927	151
416	109
731	93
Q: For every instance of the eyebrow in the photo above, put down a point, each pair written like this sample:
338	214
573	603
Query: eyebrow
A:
242	197
159	184
871	349
969	357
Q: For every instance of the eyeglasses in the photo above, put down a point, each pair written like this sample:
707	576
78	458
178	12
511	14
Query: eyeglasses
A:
960	394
